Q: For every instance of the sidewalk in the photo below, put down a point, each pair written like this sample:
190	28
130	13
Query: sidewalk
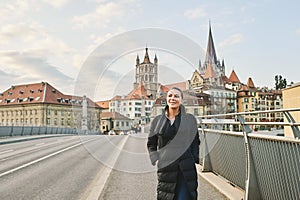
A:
127	186
221	185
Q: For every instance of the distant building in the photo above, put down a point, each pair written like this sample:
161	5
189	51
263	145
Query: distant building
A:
115	121
291	99
40	104
251	98
146	73
210	78
195	104
137	105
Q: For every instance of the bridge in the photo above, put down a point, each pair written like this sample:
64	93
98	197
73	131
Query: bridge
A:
237	162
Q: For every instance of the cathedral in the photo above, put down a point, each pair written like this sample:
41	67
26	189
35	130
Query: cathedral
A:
146	73
212	72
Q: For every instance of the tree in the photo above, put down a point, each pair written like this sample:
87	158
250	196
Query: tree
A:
280	83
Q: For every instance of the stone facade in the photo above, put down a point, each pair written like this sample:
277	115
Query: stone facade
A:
40	104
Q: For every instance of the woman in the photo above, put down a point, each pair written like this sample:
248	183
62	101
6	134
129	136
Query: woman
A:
173	146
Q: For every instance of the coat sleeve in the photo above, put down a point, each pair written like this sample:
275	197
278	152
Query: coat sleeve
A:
153	142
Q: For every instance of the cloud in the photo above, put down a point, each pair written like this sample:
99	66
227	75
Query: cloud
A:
16	9
107	14
22	31
56	3
103	15
298	31
25	67
233	39
195	13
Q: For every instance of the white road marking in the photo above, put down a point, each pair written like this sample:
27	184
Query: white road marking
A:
101	178
43	158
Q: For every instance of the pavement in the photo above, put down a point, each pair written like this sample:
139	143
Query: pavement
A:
113	184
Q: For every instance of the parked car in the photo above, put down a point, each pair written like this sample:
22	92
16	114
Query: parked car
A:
111	132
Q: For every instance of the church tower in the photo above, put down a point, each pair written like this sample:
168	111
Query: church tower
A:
211	58
146	73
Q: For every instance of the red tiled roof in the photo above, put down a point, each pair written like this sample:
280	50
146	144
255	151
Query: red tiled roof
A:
234	78
103	104
225	79
113	115
209	73
180	85
138	93
244	88
164	89
250	83
39	93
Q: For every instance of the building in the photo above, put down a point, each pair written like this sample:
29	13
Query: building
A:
40	104
210	78
291	99
195	104
147	74
115	121
137	105
250	98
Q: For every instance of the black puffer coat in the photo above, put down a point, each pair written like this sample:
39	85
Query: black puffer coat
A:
174	153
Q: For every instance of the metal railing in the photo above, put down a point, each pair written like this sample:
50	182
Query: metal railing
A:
264	166
41	130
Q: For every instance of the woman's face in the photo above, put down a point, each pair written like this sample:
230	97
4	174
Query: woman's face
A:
174	99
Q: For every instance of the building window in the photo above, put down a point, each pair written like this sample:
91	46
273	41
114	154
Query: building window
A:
48	112
36	121
196	111
68	122
62	113
55	112
55	121
62	122
48	121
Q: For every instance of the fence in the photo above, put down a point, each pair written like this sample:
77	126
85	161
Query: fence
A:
41	130
265	166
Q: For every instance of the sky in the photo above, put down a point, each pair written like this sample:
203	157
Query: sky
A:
90	46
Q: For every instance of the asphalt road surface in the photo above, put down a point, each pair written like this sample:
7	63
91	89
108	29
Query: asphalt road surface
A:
83	168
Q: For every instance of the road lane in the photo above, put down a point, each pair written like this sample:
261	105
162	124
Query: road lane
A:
67	175
30	152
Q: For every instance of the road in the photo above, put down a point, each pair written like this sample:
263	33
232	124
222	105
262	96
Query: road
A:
52	168
81	167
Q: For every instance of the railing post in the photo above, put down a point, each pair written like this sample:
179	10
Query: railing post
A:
290	119
206	158
252	190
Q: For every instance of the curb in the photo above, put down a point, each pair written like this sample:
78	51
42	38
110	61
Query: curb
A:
223	186
30	138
